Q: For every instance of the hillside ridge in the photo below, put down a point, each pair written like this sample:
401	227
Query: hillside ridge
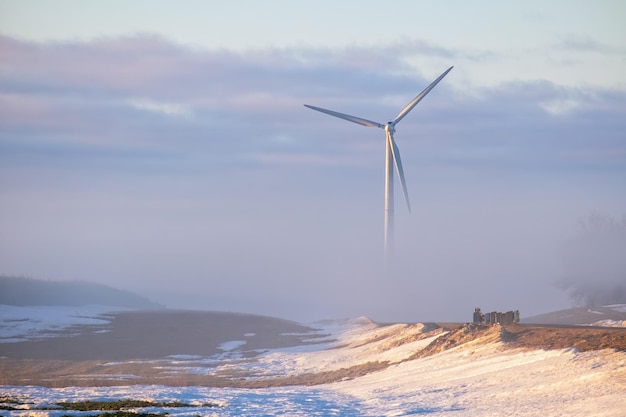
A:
22	291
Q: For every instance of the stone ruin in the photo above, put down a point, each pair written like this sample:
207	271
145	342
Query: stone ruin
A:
495	317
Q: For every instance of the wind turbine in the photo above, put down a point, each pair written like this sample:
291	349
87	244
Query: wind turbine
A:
392	155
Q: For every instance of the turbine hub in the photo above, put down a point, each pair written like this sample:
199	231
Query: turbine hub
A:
390	127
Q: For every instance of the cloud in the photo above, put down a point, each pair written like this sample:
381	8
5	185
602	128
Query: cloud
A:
147	95
73	86
589	45
169	109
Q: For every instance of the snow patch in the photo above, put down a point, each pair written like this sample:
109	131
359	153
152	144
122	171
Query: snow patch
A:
609	323
618	307
232	345
185	357
21	323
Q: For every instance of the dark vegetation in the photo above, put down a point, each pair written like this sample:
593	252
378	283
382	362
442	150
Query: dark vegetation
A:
20	291
121	404
108	408
8	403
124	414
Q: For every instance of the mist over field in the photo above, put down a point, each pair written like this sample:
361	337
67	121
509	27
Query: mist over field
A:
180	163
595	262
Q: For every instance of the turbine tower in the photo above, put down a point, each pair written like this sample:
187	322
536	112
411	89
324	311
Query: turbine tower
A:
392	156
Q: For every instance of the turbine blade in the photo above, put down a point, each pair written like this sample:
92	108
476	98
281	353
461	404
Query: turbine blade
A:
398	163
419	97
354	119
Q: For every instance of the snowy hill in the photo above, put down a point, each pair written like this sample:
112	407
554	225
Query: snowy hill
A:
613	315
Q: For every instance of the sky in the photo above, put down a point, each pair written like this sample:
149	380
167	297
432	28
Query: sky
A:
163	148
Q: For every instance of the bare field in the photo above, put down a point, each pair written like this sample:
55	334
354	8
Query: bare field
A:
145	335
561	337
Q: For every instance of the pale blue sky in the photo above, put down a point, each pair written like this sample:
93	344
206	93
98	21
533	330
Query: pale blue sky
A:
567	42
163	147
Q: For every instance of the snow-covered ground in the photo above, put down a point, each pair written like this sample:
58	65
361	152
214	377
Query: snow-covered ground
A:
36	322
486	381
350	343
482	378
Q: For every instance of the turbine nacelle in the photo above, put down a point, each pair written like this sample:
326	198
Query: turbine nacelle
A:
390	127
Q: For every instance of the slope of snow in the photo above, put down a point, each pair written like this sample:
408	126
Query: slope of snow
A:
354	342
348	343
488	381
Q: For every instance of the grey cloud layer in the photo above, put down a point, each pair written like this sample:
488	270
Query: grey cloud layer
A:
144	90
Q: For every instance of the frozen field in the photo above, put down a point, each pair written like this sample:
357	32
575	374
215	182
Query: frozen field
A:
480	376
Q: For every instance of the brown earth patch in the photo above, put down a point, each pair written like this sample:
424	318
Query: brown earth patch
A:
57	374
562	337
457	336
161	333
547	337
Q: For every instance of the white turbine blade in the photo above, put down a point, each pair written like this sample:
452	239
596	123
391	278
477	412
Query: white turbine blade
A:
354	119
419	97
398	163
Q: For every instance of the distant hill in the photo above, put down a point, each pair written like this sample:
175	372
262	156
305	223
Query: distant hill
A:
614	315
18	291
